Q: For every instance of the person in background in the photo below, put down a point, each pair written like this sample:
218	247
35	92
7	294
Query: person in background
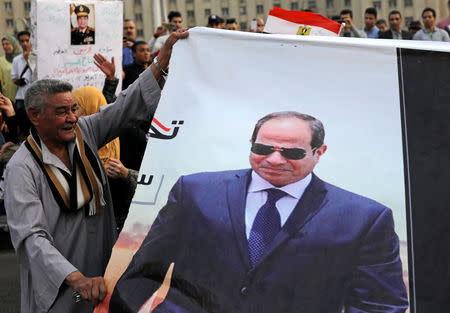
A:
133	139
232	24
176	19
161	40
429	30
123	183
414	27
121	180
111	81
349	29
160	37
215	21
395	20
21	71
381	24
370	17
444	23
21	76
161	30
142	59
16	130
259	26
12	49
129	38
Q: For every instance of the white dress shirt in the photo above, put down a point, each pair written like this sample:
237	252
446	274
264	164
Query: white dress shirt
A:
18	65
257	196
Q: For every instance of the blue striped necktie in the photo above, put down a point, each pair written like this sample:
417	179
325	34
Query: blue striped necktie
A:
265	227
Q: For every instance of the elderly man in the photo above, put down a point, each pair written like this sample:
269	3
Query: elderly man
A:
83	34
56	194
273	238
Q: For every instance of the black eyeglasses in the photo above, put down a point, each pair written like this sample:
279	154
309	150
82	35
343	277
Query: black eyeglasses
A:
288	153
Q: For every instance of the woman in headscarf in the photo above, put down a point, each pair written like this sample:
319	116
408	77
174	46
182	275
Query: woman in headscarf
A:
90	99
12	48
122	180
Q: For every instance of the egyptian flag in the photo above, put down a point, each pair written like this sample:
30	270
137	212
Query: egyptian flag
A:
302	23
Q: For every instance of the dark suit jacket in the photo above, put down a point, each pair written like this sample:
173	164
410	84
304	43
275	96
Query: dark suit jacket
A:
388	35
337	249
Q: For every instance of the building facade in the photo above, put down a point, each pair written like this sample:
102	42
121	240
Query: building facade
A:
14	16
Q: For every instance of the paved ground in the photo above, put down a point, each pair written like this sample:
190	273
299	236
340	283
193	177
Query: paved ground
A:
9	277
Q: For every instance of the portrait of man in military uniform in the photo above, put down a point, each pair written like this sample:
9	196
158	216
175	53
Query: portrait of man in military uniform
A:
82	34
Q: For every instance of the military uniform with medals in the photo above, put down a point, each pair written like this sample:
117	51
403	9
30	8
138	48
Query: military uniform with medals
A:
79	37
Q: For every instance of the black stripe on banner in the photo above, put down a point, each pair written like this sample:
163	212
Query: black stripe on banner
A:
425	103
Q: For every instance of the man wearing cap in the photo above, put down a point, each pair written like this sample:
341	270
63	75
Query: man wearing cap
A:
83	34
273	238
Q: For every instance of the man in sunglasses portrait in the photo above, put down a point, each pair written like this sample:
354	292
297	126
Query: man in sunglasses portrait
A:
272	238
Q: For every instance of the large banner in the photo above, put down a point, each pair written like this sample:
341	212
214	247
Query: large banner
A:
337	248
67	34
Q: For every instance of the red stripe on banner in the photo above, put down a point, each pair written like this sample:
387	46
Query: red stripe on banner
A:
160	125
307	18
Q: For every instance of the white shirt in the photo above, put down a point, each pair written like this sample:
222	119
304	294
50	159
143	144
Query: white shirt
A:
18	65
159	43
256	197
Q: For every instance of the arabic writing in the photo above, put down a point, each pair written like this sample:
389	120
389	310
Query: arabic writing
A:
156	133
59	51
142	180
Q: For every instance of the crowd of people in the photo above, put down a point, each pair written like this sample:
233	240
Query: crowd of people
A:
43	115
374	27
378	28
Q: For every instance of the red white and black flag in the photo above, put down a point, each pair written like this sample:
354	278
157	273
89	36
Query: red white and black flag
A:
302	23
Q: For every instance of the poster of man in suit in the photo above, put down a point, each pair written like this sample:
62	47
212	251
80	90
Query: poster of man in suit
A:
241	239
339	239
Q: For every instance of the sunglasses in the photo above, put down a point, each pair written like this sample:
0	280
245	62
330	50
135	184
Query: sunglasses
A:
288	153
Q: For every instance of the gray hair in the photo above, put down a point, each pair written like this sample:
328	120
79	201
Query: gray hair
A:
37	94
317	129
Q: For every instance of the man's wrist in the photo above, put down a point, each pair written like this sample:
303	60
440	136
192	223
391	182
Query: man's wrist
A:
159	67
72	278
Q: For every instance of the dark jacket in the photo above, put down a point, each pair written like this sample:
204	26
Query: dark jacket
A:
388	35
337	249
